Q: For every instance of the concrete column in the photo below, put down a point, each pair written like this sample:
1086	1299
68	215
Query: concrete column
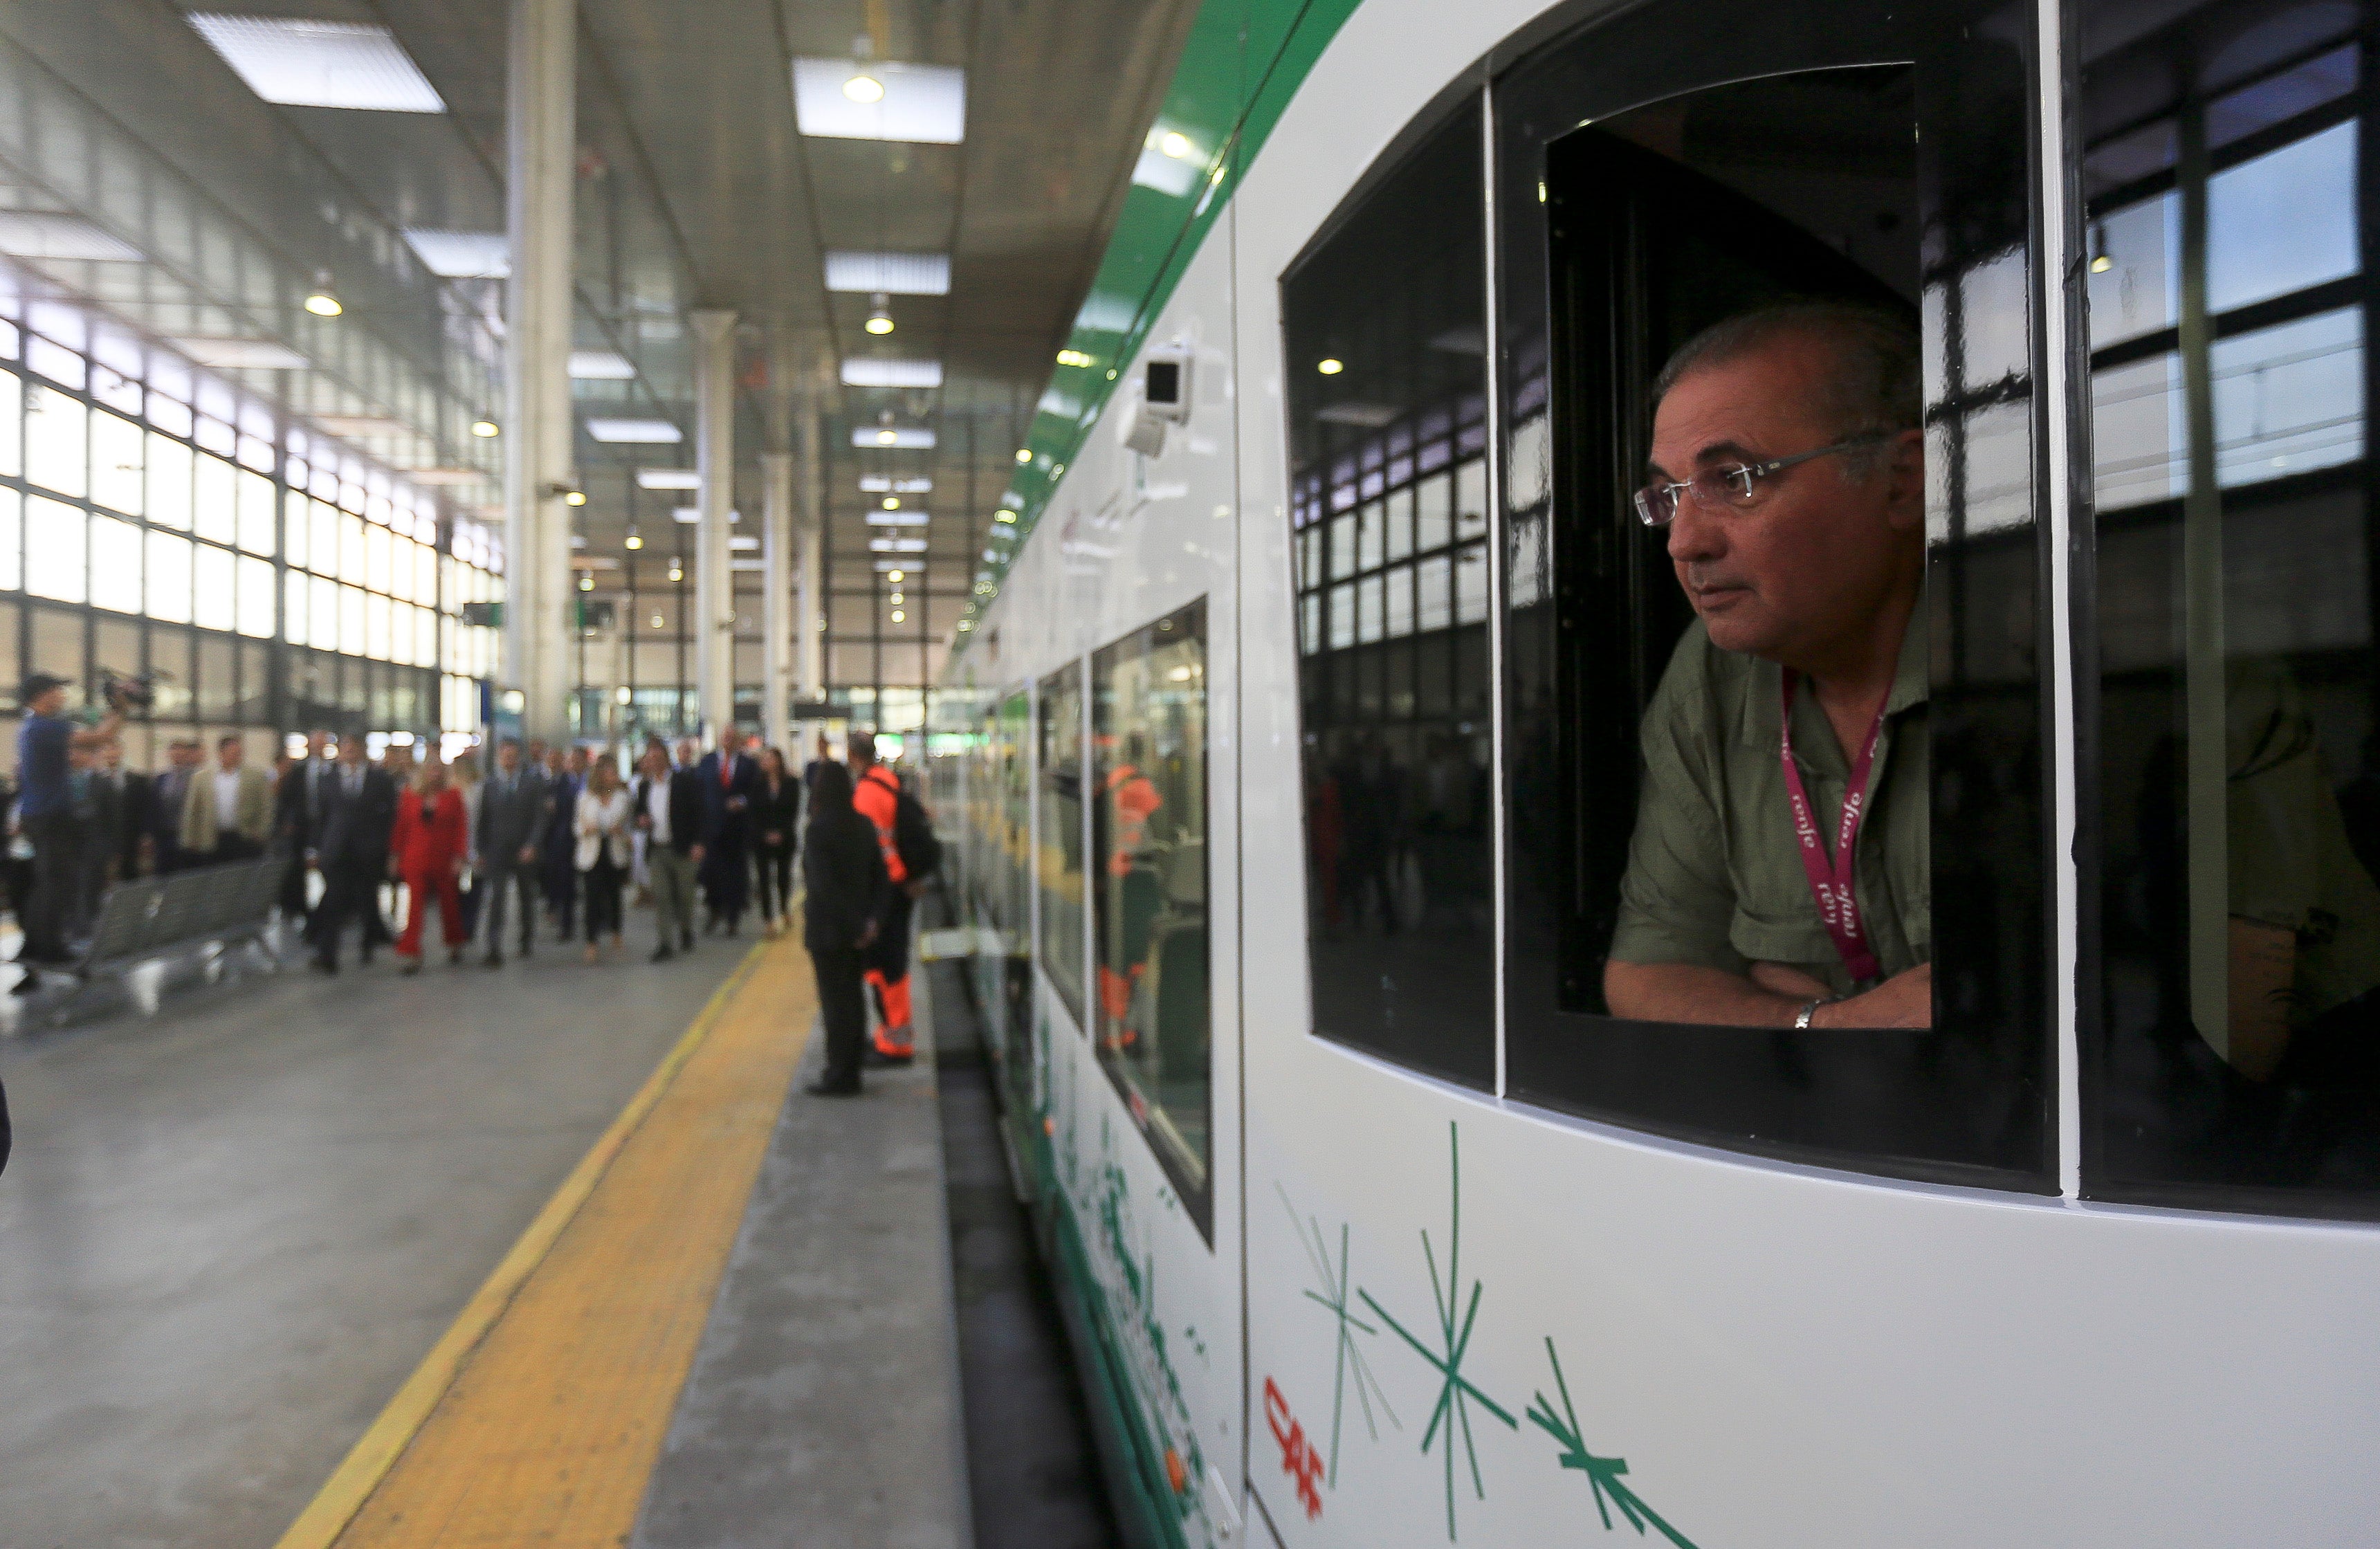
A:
812	601
541	163
777	597
715	591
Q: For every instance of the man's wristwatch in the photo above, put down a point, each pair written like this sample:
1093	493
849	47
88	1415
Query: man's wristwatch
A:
1810	1008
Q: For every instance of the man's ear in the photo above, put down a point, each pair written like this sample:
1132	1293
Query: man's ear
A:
1904	468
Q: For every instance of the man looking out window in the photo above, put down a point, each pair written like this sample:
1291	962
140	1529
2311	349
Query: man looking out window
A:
1788	472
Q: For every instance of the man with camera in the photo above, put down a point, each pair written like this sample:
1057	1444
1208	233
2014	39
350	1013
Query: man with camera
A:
45	814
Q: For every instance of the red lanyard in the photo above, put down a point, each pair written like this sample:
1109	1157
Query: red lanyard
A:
1831	882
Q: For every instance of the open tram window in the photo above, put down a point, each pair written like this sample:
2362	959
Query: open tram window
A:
1150	1016
2227	216
1058	866
1385	323
1769	473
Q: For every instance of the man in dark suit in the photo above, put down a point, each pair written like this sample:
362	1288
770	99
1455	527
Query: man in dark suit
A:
672	815
565	777
728	781
512	821
133	826
161	812
296	806
350	847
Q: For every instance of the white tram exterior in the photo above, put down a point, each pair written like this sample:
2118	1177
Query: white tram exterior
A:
1291	750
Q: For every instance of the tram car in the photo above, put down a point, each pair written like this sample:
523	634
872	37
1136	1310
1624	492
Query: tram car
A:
1474	1081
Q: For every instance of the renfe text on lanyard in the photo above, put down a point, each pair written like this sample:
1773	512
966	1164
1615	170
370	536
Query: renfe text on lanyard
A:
1831	881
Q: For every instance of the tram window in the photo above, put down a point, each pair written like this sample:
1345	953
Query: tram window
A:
1000	803
2238	779
1148	833
1843	246
1385	322
1060	862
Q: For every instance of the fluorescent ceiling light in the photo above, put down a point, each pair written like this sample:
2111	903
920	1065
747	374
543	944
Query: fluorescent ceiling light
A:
868	372
37	234
462	254
890	435
925	104
318	64
896	545
879	484
747	564
600	365
637	431
897	518
668	478
690	515
352	427
889	273
739	541
234	354
906	568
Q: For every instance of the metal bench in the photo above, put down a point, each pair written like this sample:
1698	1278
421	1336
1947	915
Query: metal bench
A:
151	917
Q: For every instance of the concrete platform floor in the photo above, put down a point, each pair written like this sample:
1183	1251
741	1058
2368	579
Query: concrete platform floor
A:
229	1234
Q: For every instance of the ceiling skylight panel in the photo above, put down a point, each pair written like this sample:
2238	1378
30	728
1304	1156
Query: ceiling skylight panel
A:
300	63
867	372
37	234
877	99
462	254
889	273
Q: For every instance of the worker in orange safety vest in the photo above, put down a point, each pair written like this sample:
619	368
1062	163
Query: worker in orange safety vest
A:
876	796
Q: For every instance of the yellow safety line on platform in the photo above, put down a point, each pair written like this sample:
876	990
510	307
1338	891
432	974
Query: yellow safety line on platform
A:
538	1414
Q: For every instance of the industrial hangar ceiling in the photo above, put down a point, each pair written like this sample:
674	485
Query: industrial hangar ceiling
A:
697	186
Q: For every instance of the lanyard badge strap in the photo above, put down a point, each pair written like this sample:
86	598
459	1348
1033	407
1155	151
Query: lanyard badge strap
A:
1831	881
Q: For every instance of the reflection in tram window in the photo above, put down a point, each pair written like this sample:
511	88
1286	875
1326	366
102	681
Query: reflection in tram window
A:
1000	862
1775	726
1060	864
2240	774
1149	836
1388	409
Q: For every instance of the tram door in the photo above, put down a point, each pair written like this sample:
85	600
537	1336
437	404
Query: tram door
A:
1645	254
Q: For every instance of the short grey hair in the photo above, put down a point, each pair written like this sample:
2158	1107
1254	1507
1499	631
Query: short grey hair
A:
1875	385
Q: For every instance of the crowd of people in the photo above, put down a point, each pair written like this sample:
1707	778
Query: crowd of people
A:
547	838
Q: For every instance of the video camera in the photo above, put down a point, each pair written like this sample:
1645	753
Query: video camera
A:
127	692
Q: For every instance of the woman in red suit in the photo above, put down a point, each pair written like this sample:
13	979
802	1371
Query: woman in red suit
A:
426	853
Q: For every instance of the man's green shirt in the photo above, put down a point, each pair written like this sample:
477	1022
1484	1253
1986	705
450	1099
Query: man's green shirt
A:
1715	874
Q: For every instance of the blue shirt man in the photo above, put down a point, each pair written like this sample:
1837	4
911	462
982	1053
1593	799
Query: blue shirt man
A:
46	813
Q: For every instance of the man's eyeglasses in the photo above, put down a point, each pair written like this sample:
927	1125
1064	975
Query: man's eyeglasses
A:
1736	489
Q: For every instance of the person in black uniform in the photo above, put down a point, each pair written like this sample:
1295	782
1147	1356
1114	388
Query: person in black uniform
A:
349	844
849	890
776	833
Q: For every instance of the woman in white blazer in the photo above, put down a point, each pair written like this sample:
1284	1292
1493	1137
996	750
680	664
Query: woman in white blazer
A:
601	825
